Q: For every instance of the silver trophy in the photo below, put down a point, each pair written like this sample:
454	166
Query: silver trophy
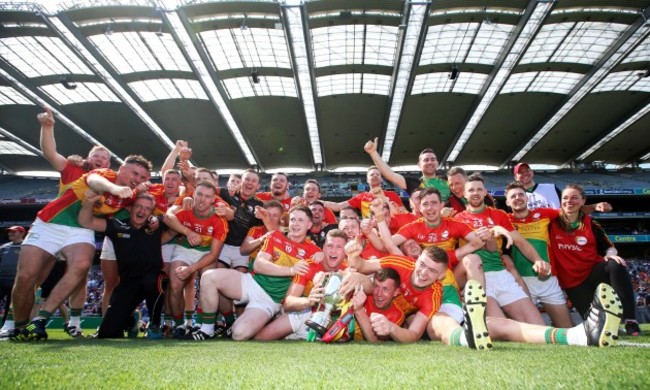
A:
321	320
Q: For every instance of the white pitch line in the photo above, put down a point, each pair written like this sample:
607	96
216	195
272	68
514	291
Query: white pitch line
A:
629	344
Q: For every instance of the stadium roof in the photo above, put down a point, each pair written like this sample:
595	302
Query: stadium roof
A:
304	84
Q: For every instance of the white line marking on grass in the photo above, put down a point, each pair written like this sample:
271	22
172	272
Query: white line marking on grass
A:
629	344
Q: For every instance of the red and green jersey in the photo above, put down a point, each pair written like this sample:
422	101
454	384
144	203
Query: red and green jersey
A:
534	228
179	200
284	252
65	208
328	217
212	227
413	184
162	201
394	313
370	252
69	174
362	201
399	220
487	217
256	232
266	196
445	235
424	300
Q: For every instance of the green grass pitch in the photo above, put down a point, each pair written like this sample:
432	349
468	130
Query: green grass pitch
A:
62	362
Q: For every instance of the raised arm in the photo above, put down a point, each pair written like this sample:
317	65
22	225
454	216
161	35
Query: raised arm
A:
100	184
335	207
386	171
353	250
48	143
171	157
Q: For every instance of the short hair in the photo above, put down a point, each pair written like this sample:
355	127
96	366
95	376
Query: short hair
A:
476	177
250	170
304	209
207	184
337	233
172	171
425	151
373	167
456	171
388	273
213	174
237	175
99	148
436	254
351	219
428	191
273	204
513	185
280	174
146	195
317	202
138	160
313	181
348	207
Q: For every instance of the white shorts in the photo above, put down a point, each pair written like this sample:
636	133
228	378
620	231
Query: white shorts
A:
231	257
52	237
546	291
297	320
501	286
186	255
256	297
453	310
108	250
167	251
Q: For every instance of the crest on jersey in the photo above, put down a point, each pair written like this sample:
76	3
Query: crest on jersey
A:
301	252
580	240
490	221
536	215
445	234
210	230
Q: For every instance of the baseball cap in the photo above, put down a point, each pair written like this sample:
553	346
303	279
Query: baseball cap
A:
519	166
17	228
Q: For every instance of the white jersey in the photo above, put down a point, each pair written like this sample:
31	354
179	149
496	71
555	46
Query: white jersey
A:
543	195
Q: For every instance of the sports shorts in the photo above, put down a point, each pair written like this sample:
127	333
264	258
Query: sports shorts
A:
52	237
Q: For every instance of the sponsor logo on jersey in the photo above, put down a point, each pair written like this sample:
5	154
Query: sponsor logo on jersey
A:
569	247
